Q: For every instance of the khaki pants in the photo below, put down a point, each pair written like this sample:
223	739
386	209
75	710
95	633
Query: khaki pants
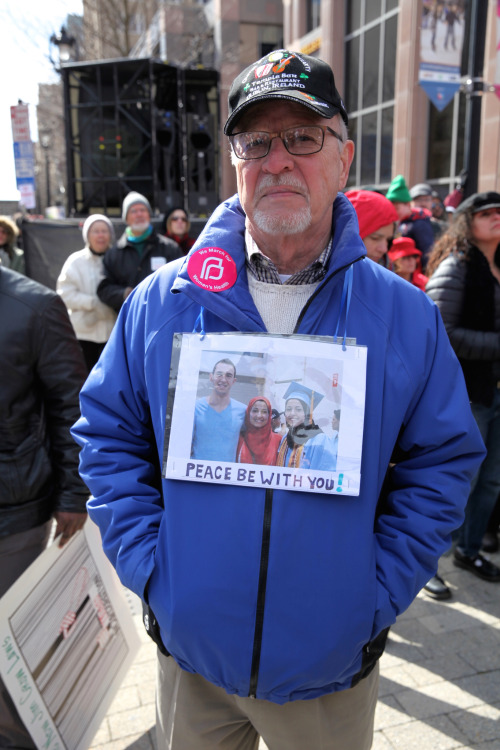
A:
193	714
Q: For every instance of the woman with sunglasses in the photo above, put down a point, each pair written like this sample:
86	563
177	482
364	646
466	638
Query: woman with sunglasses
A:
177	227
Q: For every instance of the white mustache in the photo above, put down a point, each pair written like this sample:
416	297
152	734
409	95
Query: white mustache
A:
270	181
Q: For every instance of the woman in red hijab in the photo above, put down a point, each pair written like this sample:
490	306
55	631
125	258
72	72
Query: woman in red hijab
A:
258	444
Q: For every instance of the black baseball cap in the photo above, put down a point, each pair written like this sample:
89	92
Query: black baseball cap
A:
479	202
286	75
275	414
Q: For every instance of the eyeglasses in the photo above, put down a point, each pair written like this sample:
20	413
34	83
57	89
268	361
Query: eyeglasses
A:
178	218
298	141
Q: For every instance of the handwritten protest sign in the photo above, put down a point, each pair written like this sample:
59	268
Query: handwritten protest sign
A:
67	639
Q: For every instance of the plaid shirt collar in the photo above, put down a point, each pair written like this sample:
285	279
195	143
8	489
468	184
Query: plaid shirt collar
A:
263	269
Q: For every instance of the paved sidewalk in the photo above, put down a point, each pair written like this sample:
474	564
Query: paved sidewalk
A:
439	687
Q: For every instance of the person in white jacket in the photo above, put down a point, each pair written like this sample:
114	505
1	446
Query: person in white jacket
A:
77	284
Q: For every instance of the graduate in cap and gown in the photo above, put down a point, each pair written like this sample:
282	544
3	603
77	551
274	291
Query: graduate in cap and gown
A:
299	404
305	445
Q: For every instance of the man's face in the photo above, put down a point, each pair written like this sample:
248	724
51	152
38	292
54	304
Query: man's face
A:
222	378
403	210
285	194
138	217
423	201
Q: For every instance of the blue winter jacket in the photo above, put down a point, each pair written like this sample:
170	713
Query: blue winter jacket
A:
276	593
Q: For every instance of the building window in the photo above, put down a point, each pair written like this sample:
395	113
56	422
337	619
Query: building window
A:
313	11
445	155
370	66
269	39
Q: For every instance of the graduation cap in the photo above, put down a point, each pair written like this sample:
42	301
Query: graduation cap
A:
303	393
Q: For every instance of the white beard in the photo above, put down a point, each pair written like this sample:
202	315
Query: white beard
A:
292	222
139	228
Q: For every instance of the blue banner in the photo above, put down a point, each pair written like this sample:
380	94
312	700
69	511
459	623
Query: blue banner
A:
441	40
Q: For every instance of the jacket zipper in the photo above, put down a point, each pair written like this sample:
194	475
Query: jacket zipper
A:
264	553
261	594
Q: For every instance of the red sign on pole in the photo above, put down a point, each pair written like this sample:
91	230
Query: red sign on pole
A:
20	119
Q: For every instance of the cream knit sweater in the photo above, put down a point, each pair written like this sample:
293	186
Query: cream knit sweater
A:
279	305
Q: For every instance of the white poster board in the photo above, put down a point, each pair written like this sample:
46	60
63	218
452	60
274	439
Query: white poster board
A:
273	367
67	639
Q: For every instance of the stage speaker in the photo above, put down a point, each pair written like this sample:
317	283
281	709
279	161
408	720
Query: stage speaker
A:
169	163
202	177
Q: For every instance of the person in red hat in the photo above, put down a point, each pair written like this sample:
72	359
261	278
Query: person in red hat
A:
377	219
404	259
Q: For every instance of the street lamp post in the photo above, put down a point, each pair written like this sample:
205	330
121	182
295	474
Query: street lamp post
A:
66	46
45	144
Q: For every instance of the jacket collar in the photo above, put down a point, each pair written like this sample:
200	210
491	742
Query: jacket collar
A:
226	230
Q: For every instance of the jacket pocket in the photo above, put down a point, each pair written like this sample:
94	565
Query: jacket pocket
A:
25	472
372	651
152	627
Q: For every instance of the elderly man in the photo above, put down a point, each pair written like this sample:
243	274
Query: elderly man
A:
138	252
421	196
275	604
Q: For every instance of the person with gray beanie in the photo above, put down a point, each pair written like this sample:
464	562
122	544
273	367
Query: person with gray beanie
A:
139	251
77	284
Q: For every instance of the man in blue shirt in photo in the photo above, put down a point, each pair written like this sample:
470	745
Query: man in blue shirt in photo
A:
218	418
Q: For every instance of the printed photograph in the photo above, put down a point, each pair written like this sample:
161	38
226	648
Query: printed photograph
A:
263	401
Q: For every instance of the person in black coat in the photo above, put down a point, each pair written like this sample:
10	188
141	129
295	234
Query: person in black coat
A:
41	373
138	252
464	270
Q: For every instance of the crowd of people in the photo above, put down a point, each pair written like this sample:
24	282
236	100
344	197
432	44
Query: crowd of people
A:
246	584
418	214
437	248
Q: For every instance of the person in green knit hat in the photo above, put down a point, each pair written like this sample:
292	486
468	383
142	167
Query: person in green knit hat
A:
399	195
414	222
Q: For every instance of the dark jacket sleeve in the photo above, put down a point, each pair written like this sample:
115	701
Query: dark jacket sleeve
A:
60	371
446	287
111	289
